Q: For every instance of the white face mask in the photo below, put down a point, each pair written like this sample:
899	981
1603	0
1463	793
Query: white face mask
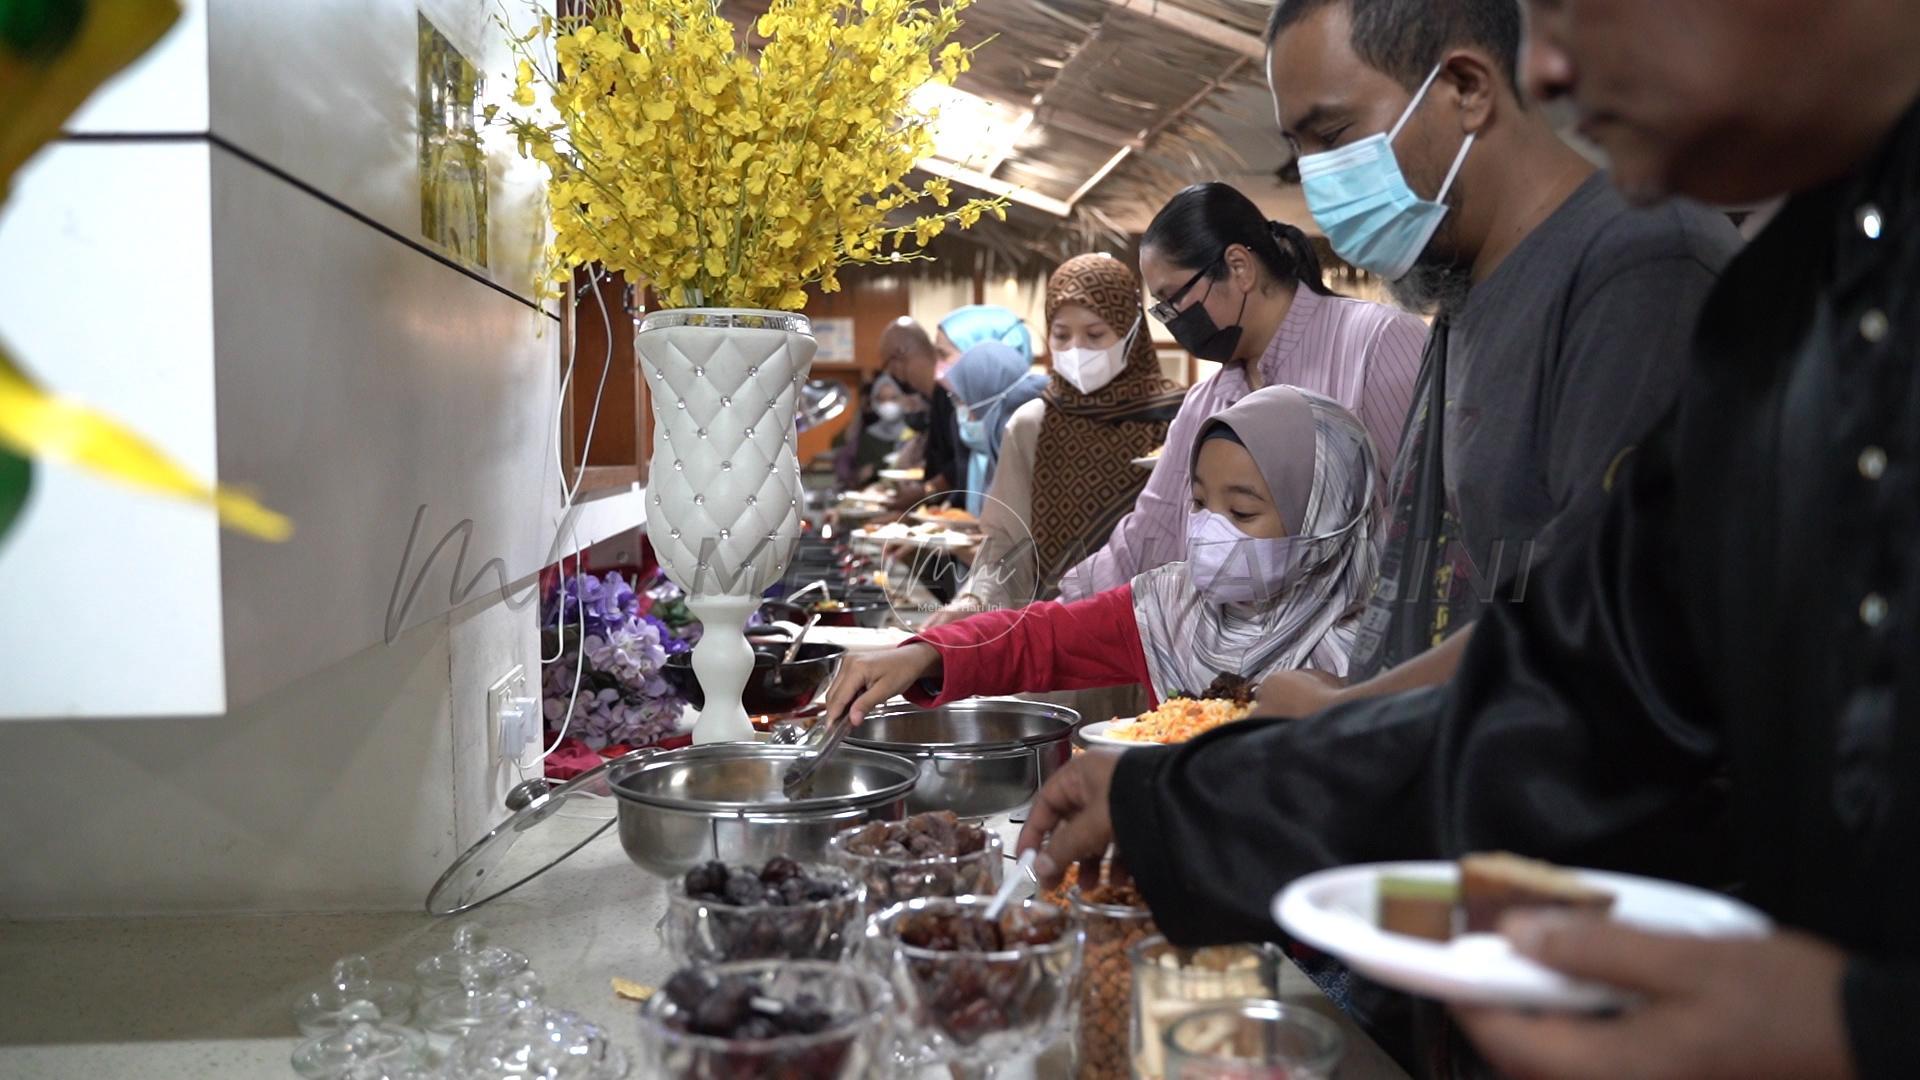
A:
1087	370
890	411
1230	567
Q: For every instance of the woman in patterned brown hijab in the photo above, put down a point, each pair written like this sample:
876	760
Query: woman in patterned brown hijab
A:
1066	473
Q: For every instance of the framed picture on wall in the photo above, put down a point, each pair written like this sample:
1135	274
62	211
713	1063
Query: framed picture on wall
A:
453	173
834	335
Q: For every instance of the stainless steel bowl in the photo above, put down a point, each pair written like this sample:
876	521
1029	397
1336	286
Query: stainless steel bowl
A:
976	758
723	801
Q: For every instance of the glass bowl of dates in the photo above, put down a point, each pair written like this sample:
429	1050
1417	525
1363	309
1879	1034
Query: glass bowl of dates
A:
790	1019
972	991
781	911
927	855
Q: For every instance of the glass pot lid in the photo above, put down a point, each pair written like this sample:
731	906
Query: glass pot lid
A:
479	874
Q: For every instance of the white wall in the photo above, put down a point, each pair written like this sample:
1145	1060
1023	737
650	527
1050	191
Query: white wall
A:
106	295
257	302
330	793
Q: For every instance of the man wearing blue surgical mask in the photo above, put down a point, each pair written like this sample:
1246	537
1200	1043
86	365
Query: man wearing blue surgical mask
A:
1563	315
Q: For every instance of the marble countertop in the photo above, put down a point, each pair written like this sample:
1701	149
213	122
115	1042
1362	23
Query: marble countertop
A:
210	997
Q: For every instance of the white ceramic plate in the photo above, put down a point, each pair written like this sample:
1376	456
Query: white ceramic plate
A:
903	474
945	538
1334	910
1096	737
1147	462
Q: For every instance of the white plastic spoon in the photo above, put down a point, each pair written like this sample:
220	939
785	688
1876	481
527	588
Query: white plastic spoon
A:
1024	869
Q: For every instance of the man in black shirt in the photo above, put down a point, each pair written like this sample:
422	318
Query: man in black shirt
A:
1747	606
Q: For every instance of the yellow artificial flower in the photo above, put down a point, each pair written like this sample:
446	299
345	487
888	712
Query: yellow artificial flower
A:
736	177
523	84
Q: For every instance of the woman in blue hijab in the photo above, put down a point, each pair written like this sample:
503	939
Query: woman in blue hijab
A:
988	383
978	324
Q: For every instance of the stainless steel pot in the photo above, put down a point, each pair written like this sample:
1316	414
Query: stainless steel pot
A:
976	758
723	801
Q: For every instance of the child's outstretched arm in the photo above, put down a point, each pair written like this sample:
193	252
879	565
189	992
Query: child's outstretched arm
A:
868	679
1044	646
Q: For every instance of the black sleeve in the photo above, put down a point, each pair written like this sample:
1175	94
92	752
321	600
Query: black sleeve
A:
1881	1000
1573	731
944	457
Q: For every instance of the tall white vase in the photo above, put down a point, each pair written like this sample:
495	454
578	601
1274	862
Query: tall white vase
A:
723	509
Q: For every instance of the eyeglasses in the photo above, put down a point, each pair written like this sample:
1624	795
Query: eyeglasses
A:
1165	310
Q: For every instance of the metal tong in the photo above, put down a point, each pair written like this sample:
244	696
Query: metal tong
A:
794	782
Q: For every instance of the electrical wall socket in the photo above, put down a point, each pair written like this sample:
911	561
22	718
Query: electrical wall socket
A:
512	713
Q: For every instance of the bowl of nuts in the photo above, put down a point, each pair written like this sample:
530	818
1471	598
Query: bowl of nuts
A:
796	1020
930	854
974	991
780	911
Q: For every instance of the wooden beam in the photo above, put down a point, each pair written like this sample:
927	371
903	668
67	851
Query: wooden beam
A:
1195	25
980	181
1100	174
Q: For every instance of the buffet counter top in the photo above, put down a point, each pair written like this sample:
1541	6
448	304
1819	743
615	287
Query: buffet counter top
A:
205	997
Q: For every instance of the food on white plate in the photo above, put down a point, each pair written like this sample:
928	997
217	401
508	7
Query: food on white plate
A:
1490	885
1419	907
1179	719
930	531
1495	883
1340	911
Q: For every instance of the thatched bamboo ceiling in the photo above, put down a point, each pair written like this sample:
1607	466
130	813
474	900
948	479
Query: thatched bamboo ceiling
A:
1097	110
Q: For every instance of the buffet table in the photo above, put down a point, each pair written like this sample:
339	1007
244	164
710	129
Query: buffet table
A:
202	997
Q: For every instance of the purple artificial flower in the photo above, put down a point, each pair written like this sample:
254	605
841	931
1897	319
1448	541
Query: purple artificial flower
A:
622	697
618	603
671	642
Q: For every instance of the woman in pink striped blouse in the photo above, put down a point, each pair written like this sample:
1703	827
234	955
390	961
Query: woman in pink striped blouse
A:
1239	289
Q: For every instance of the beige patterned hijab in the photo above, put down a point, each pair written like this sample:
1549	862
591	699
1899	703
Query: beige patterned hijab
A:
1084	479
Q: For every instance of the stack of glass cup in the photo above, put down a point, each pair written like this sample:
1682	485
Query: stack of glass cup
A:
472	1013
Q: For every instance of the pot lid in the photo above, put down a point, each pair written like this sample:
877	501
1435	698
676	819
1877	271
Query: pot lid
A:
746	778
481	872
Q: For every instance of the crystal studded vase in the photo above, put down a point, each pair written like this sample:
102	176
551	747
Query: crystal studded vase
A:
723	505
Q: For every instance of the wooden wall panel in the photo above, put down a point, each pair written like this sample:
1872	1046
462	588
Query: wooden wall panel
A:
873	299
601	333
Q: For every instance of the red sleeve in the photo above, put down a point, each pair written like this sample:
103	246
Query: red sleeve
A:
1044	646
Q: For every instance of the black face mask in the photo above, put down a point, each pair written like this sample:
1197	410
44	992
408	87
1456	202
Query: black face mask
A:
918	421
1196	333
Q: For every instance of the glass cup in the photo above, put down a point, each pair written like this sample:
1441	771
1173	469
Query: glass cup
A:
713	932
892	879
1101	1046
975	1012
848	1048
1255	1039
1170	982
318	1009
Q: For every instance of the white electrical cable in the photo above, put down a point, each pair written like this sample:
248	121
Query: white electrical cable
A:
568	493
593	418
